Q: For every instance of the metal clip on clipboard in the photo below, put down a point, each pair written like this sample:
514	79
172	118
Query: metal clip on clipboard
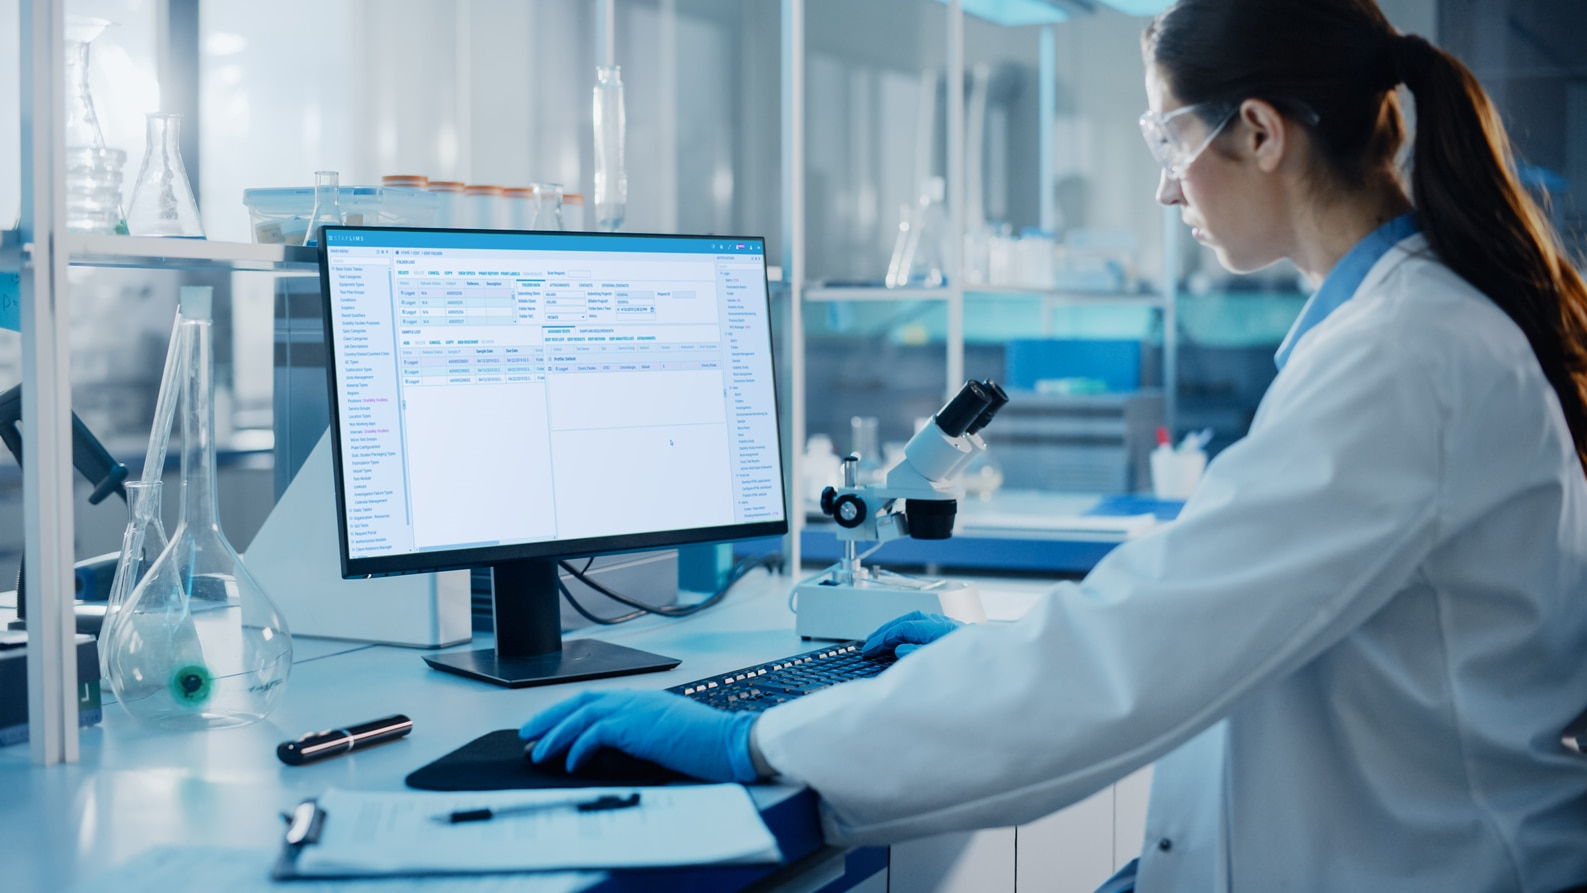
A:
304	825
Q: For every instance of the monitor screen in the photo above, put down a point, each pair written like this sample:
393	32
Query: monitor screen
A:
512	398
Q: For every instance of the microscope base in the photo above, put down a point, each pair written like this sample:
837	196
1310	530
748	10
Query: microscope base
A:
830	610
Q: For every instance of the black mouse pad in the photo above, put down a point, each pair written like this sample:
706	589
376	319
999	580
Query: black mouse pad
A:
495	762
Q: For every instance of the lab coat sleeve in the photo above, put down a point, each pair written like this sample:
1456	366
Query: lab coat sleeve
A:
1296	535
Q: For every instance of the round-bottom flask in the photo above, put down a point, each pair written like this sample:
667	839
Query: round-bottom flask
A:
198	644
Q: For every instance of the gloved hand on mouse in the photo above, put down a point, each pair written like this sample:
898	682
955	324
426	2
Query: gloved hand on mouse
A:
664	728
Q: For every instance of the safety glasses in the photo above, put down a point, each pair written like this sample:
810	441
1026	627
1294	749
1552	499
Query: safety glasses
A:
1178	138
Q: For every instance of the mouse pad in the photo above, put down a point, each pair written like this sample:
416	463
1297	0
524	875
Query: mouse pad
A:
495	762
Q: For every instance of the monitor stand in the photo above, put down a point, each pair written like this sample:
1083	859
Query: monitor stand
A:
529	648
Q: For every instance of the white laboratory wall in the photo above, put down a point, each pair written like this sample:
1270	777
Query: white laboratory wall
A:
498	92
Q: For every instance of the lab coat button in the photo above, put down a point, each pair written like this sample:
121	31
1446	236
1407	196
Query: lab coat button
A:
1165	844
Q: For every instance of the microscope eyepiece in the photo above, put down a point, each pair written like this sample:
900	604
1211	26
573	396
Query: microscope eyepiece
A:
964	409
999	398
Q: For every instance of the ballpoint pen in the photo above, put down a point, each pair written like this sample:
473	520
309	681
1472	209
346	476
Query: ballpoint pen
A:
329	743
599	804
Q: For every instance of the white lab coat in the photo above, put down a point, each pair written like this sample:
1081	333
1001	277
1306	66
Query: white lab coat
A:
1351	657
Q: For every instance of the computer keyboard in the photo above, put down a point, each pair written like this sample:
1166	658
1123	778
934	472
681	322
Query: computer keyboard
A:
775	682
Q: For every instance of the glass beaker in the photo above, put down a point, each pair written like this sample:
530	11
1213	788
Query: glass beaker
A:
611	180
547	205
162	199
198	644
327	205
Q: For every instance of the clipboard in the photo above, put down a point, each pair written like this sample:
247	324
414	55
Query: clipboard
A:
355	834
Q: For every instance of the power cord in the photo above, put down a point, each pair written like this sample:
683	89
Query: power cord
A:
771	560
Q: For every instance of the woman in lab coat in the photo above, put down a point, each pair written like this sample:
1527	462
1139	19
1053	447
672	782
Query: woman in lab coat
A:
1352	656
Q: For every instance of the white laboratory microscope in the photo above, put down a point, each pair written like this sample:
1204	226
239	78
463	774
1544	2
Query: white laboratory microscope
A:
919	499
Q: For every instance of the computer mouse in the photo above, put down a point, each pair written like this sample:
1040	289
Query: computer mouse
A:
608	764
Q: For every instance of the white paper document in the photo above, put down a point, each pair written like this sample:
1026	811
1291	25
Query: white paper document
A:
398	833
170	869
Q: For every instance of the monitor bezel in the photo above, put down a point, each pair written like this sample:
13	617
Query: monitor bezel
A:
456	559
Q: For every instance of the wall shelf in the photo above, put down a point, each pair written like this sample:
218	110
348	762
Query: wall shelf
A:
94	250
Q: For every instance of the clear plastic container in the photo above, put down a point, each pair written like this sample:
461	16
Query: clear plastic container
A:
406	181
484	207
449	202
281	216
520	207
573	212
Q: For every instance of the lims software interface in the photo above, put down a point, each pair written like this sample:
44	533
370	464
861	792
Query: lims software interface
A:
502	388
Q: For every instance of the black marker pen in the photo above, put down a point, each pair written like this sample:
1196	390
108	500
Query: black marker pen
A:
332	742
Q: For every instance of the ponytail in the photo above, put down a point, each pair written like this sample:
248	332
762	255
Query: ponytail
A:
1483	224
1342	60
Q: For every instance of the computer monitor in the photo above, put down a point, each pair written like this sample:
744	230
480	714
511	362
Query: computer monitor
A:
513	399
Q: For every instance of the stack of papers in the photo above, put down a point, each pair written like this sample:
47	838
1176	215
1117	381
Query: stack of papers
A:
366	833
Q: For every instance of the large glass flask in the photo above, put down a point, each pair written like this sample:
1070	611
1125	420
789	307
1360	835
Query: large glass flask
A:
198	644
327	205
162	199
611	179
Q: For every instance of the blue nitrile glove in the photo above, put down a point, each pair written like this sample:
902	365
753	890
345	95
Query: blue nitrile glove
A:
902	635
658	726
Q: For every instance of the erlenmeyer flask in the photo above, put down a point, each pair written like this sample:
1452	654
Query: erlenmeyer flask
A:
162	200
198	644
327	205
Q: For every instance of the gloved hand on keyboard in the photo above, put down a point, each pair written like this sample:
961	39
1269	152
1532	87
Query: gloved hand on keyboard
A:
659	726
902	635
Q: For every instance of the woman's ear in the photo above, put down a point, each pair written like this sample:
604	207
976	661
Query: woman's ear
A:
1267	135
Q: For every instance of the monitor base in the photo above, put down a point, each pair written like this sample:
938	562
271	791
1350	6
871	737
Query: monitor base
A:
579	659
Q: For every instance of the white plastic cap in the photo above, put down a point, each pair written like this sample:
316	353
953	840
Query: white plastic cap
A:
197	301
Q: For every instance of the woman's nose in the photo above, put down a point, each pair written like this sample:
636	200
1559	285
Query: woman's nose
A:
1168	190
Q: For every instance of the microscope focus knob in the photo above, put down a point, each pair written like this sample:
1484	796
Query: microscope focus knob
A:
827	496
848	510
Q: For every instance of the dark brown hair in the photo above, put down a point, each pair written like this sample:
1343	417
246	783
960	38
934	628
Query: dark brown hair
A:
1341	59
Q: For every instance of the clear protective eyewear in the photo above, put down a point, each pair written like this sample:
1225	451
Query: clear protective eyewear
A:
1170	136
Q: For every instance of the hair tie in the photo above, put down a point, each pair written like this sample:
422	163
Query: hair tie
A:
1412	56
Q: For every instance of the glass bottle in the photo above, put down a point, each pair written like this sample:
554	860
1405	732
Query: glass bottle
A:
198	644
611	180
327	205
162	199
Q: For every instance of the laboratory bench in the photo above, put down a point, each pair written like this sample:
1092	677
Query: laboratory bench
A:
137	788
137	792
